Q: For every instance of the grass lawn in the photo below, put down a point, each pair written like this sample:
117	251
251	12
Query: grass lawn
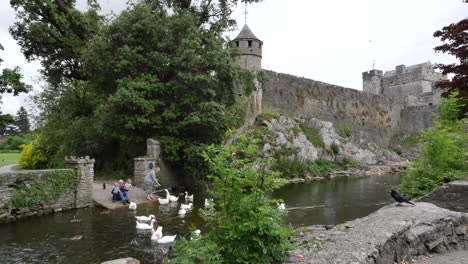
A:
8	158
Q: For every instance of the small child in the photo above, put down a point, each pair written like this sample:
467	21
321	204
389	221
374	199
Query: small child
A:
126	189
116	194
128	185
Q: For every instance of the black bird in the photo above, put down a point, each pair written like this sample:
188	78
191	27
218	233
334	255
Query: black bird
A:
399	198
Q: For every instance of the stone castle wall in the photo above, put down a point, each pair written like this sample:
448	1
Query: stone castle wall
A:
377	116
373	117
405	82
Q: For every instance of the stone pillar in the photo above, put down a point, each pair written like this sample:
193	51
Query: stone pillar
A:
85	170
141	169
153	148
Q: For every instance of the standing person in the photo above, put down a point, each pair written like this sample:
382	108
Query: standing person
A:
151	180
126	188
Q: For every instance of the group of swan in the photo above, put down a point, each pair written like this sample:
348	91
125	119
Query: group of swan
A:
183	207
155	235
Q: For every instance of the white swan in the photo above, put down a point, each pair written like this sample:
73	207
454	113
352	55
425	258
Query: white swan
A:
144	225
208	202
155	235
166	239
188	197
281	206
171	198
145	218
163	201
132	206
182	211
186	206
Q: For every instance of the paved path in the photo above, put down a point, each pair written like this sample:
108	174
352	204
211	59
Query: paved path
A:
456	257
103	197
7	168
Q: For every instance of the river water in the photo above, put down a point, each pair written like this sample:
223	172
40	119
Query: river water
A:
102	235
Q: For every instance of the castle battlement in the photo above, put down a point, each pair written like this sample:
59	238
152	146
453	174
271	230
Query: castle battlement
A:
413	84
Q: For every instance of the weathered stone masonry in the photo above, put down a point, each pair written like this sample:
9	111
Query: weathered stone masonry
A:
80	196
397	102
377	116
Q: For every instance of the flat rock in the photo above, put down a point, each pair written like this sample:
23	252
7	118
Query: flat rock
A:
392	234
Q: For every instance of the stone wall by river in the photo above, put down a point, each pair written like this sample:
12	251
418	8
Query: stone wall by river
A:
393	233
39	192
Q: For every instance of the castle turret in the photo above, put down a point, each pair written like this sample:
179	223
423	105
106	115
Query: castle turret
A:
372	81
250	49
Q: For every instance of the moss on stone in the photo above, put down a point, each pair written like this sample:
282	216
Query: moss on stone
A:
45	189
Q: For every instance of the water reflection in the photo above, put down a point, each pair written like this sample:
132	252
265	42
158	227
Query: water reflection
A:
107	235
335	201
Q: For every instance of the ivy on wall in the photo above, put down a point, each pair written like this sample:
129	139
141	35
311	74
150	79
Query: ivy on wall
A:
43	190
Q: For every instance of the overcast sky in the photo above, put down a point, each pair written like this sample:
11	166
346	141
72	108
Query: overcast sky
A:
332	41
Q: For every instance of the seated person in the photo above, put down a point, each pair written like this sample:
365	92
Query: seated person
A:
117	194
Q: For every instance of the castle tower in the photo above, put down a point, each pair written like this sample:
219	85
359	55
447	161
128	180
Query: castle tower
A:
250	49
372	81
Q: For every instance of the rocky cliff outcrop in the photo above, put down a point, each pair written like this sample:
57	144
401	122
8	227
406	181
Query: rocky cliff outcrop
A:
392	234
287	133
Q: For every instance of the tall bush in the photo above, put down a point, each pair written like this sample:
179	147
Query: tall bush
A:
445	152
33	155
246	226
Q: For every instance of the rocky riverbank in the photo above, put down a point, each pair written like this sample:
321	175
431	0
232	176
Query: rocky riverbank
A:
377	170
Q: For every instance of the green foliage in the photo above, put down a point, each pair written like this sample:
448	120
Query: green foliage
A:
6	120
262	78
33	155
14	142
291	168
445	152
22	121
411	141
246	226
335	149
43	190
295	168
152	71
268	114
344	130
10	81
237	112
313	136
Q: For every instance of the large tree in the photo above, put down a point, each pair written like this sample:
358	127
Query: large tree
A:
455	38
55	33
6	122
22	121
10	81
159	69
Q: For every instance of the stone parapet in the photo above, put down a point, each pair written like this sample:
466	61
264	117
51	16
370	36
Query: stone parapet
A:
9	213
85	169
392	234
452	196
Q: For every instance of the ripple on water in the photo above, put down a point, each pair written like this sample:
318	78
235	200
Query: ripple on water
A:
109	235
